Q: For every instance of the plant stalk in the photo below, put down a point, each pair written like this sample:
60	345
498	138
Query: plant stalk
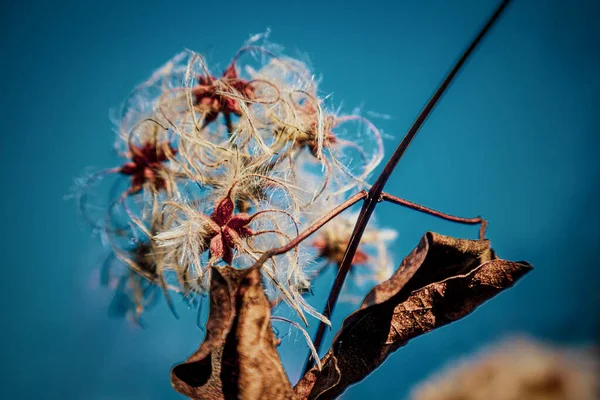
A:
374	194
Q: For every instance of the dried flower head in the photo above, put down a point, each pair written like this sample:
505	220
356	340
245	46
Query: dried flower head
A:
206	191
147	166
136	282
518	369
210	99
371	263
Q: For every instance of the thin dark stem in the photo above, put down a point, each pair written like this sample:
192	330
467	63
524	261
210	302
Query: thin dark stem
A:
435	213
374	195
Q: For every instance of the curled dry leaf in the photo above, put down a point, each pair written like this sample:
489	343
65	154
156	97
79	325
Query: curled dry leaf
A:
440	281
238	358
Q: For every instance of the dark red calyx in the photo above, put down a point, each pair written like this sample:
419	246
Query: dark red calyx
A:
146	165
231	228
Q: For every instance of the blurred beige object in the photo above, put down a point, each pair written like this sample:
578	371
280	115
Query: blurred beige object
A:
518	369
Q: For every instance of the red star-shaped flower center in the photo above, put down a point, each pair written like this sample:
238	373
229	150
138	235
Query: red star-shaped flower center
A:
226	229
146	163
206	95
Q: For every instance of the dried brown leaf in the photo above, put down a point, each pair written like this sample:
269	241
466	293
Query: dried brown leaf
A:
238	358
440	281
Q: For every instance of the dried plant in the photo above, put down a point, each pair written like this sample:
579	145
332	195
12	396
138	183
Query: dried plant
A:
516	369
229	175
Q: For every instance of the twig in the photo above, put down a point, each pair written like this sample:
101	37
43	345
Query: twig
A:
312	229
414	206
374	195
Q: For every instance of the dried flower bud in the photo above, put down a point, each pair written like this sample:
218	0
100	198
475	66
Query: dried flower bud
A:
147	165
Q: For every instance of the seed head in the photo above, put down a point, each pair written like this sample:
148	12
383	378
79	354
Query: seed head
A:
147	165
209	96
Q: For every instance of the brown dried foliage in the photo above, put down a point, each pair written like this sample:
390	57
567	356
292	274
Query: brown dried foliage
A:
238	358
440	281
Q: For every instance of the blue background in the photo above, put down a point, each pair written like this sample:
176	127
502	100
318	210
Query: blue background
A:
516	140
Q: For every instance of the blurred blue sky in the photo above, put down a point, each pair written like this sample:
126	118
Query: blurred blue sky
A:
515	139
